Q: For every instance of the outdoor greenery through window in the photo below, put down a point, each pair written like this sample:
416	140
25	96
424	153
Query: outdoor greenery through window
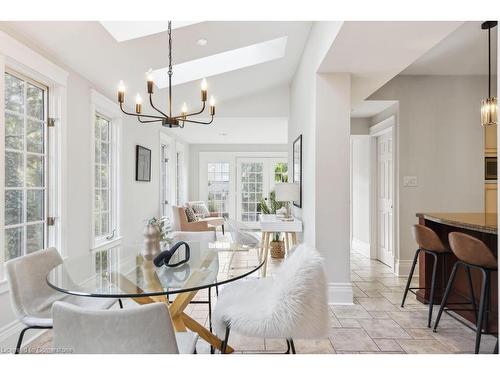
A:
218	188
103	200
25	166
281	172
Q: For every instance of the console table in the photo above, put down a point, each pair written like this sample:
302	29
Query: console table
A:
270	224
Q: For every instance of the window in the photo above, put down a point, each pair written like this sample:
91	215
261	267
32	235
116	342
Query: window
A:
281	172
180	179
218	188
165	181
252	190
25	165
104	186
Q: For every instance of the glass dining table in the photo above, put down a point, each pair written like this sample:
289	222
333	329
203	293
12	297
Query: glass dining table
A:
123	272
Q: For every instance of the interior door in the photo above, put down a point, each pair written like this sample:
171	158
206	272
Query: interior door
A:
385	193
252	186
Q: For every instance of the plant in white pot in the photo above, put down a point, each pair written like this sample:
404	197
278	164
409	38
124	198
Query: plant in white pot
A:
157	230
271	206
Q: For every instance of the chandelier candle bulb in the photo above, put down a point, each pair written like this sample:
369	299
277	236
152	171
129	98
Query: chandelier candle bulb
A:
204	87
121	92
150	81
184	110
138	103
212	106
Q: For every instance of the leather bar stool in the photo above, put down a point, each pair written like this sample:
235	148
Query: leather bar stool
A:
471	253
429	243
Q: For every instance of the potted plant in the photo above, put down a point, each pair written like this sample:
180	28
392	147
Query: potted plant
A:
270	206
156	231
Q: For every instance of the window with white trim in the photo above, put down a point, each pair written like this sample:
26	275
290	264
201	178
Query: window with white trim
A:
180	178
25	165
104	180
218	188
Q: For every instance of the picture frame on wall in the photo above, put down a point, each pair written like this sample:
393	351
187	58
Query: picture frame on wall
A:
142	164
297	167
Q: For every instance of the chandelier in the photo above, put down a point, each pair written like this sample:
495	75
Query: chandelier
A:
167	120
489	107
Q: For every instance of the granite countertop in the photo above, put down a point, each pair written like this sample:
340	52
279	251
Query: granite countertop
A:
478	221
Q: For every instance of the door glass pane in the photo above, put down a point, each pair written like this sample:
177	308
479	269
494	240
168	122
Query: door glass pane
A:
14	242
35	203
14	169
13	207
251	190
34	237
34	96
34	136
14	132
34	171
218	188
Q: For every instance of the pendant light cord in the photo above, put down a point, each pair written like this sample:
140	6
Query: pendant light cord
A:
170	68
489	63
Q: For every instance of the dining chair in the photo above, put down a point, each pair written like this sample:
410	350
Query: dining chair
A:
242	237
145	329
31	296
291	305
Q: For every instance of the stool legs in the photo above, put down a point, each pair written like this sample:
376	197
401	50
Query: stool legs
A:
482	303
446	294
433	288
410	276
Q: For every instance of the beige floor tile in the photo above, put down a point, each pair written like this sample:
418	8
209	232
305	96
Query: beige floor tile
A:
350	311
349	323
379	314
388	345
396	298
314	347
370	286
463	340
422	346
352	339
383	329
420	333
275	345
358	292
244	343
376	304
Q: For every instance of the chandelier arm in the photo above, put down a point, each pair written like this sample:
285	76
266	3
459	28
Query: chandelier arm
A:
156	109
147	121
136	115
200	122
192	114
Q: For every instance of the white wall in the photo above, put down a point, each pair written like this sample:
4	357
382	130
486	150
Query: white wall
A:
360	184
440	140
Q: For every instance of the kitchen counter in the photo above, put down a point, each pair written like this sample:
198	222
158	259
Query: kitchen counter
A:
476	221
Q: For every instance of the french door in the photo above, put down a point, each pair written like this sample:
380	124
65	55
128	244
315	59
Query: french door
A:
256	178
385	198
26	166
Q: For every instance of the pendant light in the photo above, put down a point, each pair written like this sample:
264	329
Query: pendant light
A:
489	106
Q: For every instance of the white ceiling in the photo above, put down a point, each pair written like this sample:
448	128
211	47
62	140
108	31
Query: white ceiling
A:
369	108
376	51
464	52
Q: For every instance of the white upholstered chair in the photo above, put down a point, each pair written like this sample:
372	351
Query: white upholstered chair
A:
145	329
32	298
290	305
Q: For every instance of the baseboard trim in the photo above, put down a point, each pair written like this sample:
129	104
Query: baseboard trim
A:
402	267
340	294
361	247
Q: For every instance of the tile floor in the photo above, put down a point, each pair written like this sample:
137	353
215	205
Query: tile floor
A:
375	323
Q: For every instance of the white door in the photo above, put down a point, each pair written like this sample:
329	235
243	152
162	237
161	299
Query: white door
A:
385	199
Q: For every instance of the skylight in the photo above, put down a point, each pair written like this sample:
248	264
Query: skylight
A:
222	62
126	30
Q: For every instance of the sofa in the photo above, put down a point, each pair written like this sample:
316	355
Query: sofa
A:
181	222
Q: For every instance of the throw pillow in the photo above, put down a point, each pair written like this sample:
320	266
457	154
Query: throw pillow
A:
190	214
200	210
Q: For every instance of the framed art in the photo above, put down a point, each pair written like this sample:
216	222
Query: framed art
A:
142	164
297	167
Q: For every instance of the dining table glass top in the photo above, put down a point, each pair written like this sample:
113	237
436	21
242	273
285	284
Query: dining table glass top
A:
123	271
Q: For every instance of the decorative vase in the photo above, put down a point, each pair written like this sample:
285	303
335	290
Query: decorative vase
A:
277	249
152	235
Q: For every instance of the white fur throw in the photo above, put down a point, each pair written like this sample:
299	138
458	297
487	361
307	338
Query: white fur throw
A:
293	304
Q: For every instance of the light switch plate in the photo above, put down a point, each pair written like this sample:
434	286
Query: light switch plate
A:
410	181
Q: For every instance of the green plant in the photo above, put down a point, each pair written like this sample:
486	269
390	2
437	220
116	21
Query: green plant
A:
163	224
270	206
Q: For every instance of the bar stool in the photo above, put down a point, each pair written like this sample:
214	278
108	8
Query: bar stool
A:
471	253
429	243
